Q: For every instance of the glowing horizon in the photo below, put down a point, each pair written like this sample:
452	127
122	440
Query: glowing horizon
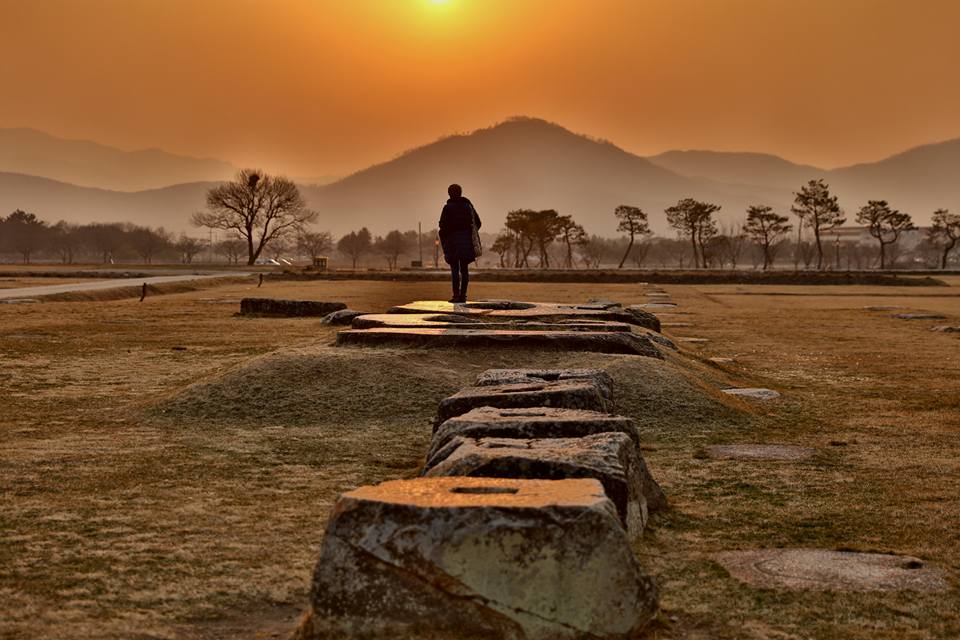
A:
319	87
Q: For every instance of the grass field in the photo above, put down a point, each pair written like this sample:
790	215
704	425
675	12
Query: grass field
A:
167	467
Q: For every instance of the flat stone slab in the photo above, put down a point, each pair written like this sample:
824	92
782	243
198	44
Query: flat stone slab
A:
478	557
719	360
882	308
564	394
453	321
599	377
288	308
918	316
462	338
691	340
825	570
544	311
529	423
946	329
675	325
653	305
753	393
759	452
611	458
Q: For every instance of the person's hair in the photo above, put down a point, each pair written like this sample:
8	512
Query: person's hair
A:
455	191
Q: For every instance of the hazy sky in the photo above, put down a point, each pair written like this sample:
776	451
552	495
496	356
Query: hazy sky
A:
312	87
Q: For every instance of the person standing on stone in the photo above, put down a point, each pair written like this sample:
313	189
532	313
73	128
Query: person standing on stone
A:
457	223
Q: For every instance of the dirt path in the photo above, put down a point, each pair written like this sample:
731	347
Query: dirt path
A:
56	289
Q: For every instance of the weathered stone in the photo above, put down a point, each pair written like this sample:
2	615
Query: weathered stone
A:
606	304
918	316
611	458
663	341
341	317
719	360
565	394
691	340
529	423
759	452
464	338
946	329
417	321
753	393
831	570
883	308
543	311
288	308
479	558
598	377
652	305
675	325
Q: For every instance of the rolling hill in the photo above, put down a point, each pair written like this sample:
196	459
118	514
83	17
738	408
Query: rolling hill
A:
88	164
529	163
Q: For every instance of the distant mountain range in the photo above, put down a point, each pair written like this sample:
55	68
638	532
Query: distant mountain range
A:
88	164
520	163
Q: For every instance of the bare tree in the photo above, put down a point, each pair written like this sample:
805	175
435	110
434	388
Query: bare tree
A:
392	246
189	247
884	223
818	209
591	252
148	242
572	235
766	228
232	249
259	207
314	243
633	222
944	232
502	245
694	219
65	241
355	244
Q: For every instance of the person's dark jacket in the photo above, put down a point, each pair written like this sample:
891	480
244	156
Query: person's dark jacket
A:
456	231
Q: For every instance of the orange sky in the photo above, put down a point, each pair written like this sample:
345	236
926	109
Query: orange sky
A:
311	87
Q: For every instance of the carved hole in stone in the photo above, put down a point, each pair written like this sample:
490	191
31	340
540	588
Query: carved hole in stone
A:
913	564
484	490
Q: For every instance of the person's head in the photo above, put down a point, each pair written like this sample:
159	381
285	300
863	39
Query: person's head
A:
454	191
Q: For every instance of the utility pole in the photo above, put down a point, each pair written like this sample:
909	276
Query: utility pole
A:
420	242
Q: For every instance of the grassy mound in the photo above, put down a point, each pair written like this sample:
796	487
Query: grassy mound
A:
399	389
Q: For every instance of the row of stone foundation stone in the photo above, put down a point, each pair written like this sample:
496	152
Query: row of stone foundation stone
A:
519	527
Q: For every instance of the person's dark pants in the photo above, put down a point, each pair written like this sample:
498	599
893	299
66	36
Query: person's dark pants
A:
460	274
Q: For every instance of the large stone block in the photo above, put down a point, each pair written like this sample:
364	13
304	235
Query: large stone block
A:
517	376
546	311
534	422
566	394
558	339
477	558
452	321
288	308
611	458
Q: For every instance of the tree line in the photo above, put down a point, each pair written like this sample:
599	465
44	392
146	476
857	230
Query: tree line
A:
263	215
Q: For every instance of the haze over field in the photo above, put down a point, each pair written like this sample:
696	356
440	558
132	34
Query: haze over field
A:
520	163
779	92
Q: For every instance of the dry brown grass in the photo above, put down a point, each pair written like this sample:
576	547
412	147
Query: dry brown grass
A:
167	468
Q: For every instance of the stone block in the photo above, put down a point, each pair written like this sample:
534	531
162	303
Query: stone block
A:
611	458
565	394
288	308
478	558
598	377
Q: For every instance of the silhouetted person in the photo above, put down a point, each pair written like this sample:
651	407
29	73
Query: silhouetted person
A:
456	236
